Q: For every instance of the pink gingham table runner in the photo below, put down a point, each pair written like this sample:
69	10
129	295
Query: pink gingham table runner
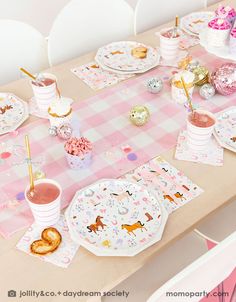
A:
104	120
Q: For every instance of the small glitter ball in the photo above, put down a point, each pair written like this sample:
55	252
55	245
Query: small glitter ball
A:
224	79
64	131
139	115
154	85
192	65
52	131
207	91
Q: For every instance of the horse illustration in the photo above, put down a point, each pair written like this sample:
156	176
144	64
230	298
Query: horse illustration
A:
94	227
169	198
117	52
122	196
181	196
131	228
5	108
233	139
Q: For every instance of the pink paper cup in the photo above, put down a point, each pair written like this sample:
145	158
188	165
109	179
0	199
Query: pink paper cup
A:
46	214
79	162
44	95
169	47
199	137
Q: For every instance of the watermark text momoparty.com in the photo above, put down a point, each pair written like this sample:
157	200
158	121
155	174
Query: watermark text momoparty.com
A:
66	293
197	294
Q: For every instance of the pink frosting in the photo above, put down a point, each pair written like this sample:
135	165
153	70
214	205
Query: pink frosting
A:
228	11
78	146
233	33
219	24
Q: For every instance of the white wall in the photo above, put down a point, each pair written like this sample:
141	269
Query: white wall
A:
38	13
41	13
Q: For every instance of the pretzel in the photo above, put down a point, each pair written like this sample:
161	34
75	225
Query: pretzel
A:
50	241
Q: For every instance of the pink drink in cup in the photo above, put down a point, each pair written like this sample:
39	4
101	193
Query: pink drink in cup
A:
45	91
200	126
169	44
45	202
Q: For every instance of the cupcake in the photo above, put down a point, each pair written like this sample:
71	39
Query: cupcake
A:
60	112
232	42
218	32
78	152
226	12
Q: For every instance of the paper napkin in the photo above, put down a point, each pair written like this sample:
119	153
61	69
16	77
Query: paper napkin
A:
213	155
96	77
65	253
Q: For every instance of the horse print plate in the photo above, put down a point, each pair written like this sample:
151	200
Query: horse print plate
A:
13	112
118	57
115	218
197	22
225	129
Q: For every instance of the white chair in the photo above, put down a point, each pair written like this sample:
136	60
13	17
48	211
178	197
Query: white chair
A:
204	274
21	46
162	267
151	13
132	3
83	26
220	225
39	14
211	2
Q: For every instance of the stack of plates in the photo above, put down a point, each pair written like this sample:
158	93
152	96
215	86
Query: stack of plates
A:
117	57
225	129
115	218
196	23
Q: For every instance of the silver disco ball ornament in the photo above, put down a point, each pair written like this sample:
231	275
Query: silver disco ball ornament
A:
207	91
52	131
154	85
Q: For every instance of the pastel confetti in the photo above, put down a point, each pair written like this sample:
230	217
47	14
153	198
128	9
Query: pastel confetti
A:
126	149
5	155
132	156
20	196
165	78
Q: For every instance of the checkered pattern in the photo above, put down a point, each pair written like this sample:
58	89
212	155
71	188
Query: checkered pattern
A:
104	120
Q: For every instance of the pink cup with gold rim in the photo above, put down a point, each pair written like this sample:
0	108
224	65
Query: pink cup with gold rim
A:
200	129
45	213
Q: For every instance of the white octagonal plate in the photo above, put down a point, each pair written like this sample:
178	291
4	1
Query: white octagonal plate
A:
116	218
225	129
118	56
13	112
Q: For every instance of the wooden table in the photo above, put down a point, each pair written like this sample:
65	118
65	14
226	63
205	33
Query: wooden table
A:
88	272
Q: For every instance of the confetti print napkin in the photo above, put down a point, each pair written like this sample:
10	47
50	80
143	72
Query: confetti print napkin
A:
96	77
213	155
